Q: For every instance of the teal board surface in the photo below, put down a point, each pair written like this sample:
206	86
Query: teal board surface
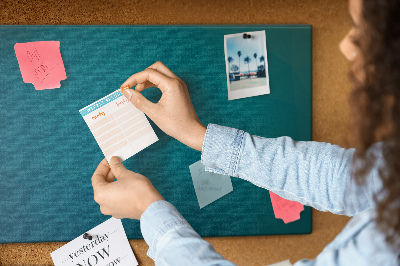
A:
49	154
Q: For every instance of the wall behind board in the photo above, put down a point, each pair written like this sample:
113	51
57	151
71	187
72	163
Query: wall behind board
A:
330	22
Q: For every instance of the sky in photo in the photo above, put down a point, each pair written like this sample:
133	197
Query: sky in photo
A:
248	47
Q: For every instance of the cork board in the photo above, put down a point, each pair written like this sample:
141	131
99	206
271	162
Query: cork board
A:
330	23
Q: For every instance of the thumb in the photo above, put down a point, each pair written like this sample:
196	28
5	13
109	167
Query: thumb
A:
117	168
138	100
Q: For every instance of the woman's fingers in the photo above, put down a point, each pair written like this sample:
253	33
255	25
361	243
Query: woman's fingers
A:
146	79
157	66
110	177
160	67
143	86
100	174
141	102
159	80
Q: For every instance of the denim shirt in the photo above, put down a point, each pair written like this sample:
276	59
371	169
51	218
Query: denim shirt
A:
314	174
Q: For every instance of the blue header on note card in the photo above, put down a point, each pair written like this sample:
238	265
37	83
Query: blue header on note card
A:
100	103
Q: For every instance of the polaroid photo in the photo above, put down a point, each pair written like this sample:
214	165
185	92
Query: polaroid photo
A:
246	64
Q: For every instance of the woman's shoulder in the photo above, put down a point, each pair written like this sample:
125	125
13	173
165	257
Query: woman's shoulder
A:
361	240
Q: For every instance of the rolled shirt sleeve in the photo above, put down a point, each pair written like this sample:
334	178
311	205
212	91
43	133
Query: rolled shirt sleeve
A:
313	173
171	239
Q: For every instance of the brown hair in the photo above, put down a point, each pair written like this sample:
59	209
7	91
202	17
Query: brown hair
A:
375	103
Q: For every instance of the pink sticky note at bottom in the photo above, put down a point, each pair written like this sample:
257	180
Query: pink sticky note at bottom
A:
287	210
41	63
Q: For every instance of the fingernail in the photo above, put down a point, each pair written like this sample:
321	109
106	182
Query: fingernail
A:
115	160
125	88
128	94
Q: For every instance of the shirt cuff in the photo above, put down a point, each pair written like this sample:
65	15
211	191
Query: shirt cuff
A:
158	219
221	149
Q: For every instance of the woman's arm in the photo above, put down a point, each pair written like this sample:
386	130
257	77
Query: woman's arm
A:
312	173
315	174
172	241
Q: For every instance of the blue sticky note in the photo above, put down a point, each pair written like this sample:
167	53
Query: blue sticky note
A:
209	186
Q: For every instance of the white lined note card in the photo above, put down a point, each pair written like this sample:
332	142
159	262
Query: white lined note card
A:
118	126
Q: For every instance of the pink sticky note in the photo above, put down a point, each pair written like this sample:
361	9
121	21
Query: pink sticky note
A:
41	64
288	211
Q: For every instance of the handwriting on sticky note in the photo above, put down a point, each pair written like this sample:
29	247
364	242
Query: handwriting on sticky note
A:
41	63
287	210
108	246
209	186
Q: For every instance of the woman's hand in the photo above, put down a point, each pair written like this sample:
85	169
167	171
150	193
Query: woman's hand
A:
173	113
127	197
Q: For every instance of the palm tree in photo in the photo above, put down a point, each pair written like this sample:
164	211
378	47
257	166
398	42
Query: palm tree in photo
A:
262	59
247	60
255	58
262	70
230	60
239	54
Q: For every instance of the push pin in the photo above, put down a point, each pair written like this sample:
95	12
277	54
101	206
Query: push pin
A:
246	36
88	236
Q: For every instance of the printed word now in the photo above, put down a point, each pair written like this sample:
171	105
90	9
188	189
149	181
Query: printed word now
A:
94	258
